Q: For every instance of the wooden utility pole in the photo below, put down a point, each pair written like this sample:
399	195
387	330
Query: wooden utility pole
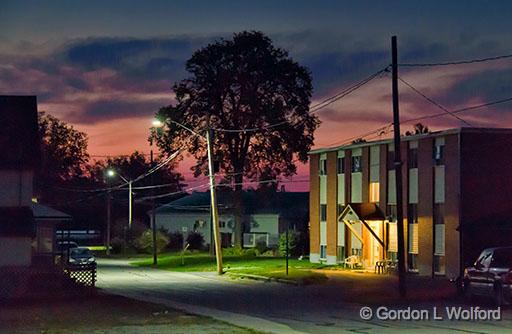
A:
215	213
398	172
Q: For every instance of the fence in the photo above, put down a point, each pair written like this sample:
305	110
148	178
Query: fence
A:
22	282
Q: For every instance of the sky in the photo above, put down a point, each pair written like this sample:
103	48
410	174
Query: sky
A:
107	66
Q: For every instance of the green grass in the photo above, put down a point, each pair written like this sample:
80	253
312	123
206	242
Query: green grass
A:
299	270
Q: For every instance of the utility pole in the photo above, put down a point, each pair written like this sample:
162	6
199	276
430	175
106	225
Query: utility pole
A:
153	213
402	288
215	213
107	251
130	208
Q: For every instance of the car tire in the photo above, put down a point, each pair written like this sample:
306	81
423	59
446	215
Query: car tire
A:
497	295
466	290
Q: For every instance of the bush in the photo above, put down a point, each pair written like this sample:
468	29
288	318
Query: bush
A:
261	246
175	241
144	243
195	240
293	243
238	251
117	245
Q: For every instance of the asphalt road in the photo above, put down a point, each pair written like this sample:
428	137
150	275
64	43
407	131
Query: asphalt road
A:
329	308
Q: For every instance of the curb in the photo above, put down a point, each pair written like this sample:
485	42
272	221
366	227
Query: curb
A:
265	279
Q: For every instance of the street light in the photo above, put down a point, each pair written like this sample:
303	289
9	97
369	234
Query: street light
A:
156	123
111	173
215	212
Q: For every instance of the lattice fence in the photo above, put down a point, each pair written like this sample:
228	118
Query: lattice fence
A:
20	282
82	274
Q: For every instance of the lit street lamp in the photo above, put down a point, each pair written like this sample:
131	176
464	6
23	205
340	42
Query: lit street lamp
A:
156	123
215	212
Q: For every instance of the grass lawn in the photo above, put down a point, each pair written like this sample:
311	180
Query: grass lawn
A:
104	314
299	270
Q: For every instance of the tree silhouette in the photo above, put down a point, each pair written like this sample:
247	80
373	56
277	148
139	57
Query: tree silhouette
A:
134	165
243	83
63	155
418	129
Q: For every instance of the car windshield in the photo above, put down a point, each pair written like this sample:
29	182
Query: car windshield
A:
502	258
80	252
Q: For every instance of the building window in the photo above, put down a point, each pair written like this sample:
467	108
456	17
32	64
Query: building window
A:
412	158
323	212
341	165
222	224
356	164
412	219
438	154
374	192
391	212
323	251
439	240
323	167
340	253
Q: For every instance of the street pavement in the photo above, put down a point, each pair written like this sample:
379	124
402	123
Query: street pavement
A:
333	307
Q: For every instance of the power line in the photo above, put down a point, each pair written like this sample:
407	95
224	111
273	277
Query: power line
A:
438	105
460	62
478	106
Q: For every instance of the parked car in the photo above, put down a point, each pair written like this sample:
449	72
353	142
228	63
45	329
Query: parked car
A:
63	246
81	255
490	275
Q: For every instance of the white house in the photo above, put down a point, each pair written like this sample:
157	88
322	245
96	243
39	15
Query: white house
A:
265	216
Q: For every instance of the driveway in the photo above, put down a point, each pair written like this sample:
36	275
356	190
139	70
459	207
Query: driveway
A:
274	307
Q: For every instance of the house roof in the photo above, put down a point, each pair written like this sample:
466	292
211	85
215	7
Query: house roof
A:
283	203
41	212
366	211
19	140
17	222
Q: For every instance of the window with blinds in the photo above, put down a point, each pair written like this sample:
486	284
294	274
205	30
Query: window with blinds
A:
392	237
439	240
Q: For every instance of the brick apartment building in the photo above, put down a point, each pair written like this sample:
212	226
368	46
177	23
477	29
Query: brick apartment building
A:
457	193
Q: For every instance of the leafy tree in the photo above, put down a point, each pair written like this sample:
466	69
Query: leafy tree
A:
293	243
242	83
134	165
195	240
63	154
418	129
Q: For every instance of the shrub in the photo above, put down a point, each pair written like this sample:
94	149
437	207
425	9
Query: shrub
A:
238	251
144	243
175	241
117	245
261	246
195	240
293	243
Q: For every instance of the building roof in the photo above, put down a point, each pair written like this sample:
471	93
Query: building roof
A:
17	222
41	212
19	140
412	138
283	203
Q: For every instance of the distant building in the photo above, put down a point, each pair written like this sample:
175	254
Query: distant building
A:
265	216
457	194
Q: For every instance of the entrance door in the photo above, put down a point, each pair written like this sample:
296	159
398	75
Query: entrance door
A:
374	245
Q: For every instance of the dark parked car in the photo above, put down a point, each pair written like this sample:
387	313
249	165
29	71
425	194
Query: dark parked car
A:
81	255
491	275
63	246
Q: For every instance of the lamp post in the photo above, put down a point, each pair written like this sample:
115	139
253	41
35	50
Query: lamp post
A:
213	195
111	173
155	124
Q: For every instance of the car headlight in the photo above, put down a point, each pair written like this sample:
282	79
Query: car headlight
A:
72	260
